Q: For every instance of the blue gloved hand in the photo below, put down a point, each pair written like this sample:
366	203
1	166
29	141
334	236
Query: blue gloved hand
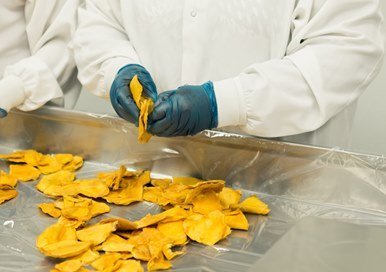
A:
185	111
3	113
120	94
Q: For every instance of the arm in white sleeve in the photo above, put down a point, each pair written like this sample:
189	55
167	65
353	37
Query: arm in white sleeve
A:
335	51
33	81
102	46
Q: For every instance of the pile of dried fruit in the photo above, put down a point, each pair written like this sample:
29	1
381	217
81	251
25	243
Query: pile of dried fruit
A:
202	211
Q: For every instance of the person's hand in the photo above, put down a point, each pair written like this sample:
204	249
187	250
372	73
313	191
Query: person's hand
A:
120	94
185	111
3	113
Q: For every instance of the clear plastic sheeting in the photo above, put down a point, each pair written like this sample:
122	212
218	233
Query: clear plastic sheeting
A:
306	188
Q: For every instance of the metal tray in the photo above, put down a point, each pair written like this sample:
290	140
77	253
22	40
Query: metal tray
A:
298	182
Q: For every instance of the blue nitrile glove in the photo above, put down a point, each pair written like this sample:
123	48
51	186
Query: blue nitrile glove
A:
3	113
120	94
185	111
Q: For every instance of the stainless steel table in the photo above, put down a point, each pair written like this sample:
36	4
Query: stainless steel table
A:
310	190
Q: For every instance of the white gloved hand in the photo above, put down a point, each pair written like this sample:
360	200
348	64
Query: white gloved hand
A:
11	94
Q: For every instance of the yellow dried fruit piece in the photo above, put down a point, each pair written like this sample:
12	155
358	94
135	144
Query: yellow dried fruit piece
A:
129	266
176	194
55	233
69	266
162	183
7	180
199	188
155	195
207	229
50	209
236	220
122	223
206	202
115	179
115	243
169	253
75	164
253	205
173	214
92	188
158	263
78	208
229	197
87	257
106	262
98	208
30	157
55	184
49	165
65	249
189	181
24	172
132	193
96	234
174	231
73	223
7	194
63	159
145	105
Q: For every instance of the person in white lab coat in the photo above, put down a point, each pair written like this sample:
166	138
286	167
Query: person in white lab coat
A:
267	68
36	63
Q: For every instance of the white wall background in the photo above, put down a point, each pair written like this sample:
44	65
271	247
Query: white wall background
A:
369	130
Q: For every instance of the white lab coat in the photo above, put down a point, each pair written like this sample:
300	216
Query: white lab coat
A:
279	67
36	63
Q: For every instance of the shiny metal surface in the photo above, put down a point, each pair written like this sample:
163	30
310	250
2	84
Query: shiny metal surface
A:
296	181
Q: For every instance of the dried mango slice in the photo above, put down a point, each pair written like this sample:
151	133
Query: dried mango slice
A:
54	184
169	253
199	188
115	179
49	165
206	202
106	262
30	157
96	234
144	239
115	243
87	257
174	231
129	266
122	224
158	263
7	180
7	194
55	233
176	194
229	197
50	209
145	106
236	220
190	181
75	164
73	223
24	172
207	229
162	183
63	159
173	214
65	249
92	188
155	195
98	208
253	205
132	193
69	266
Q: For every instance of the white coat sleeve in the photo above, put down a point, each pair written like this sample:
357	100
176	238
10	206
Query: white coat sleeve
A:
335	51
33	81
102	46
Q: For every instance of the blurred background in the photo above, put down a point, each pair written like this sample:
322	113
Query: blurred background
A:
369	131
